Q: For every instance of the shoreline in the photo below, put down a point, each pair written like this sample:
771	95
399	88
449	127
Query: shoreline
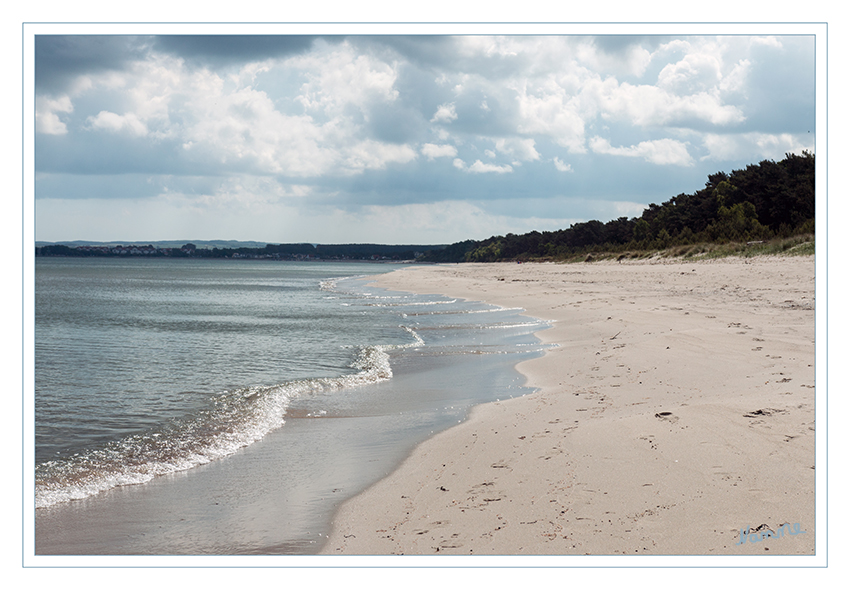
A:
675	417
277	495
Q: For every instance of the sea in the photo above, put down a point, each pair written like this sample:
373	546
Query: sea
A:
198	407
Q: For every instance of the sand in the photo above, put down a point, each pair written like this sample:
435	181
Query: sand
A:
675	416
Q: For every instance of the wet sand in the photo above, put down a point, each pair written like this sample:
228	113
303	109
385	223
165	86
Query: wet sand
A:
676	416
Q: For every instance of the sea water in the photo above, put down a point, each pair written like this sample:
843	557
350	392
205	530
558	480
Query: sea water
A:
229	406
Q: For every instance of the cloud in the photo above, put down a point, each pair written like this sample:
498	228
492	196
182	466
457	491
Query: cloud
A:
46	118
244	130
431	151
769	41
695	73
340	78
551	112
562	166
660	151
240	128
223	49
373	155
60	59
118	123
648	106
755	146
445	113
620	54
521	149
479	167
736	80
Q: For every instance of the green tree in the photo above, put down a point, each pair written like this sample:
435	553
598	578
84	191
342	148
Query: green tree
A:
641	230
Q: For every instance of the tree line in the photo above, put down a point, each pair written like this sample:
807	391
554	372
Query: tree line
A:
270	251
761	202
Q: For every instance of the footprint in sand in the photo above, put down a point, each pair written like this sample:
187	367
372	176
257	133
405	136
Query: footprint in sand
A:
763	412
667	416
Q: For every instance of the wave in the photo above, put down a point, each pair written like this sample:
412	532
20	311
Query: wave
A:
407	303
333	284
536	325
467	311
234	420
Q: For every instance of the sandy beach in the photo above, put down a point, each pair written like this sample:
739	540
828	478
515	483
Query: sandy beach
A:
674	416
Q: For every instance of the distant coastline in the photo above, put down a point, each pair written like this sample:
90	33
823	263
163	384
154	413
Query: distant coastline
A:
157	243
243	250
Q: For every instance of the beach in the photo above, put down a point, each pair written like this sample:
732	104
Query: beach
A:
673	415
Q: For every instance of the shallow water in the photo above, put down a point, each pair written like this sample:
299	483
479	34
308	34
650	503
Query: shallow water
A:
258	396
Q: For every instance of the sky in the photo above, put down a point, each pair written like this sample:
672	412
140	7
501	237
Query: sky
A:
414	139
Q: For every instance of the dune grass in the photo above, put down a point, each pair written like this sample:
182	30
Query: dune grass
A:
801	245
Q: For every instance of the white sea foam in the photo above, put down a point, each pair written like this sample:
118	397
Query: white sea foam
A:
235	420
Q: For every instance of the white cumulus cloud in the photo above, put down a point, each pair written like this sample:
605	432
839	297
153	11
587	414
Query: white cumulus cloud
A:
552	112
659	151
340	78
116	123
46	118
432	150
445	112
480	167
521	149
374	155
694	73
737	79
647	106
562	166
755	145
